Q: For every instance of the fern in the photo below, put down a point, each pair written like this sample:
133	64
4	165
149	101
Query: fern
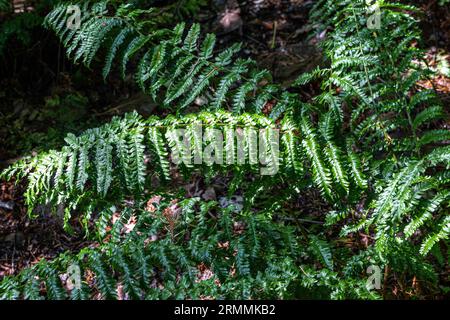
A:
174	65
370	142
90	165
134	263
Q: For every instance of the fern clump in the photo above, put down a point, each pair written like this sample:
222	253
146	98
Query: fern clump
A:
373	73
370	143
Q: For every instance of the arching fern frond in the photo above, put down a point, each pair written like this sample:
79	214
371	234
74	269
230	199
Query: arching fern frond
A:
176	66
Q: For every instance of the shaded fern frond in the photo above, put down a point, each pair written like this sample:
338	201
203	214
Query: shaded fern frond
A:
176	66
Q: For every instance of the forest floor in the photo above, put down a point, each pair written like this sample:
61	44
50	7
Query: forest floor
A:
47	99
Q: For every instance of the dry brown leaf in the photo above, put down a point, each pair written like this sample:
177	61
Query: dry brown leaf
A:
204	273
150	206
231	20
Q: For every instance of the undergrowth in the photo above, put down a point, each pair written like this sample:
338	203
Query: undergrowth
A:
370	142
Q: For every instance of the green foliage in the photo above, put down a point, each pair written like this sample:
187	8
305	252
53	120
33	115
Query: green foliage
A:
370	142
5	5
156	261
18	27
21	26
189	249
109	162
373	73
176	66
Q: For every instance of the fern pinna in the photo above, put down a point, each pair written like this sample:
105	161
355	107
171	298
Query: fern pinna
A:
364	142
198	258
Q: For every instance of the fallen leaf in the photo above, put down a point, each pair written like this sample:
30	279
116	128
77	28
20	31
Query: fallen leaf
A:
231	20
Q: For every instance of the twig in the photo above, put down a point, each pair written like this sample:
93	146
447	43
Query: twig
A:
275	24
